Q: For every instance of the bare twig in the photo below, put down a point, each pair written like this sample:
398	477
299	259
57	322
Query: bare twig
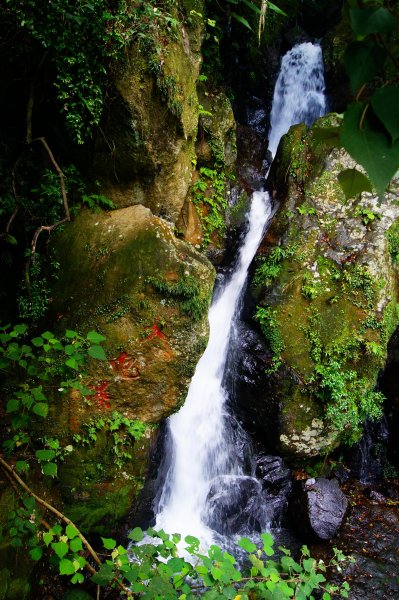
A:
11	474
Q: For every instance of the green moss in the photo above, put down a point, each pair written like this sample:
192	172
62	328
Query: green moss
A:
5	576
103	513
186	292
393	242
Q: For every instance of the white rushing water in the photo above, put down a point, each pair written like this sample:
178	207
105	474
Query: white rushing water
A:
299	91
205	464
199	445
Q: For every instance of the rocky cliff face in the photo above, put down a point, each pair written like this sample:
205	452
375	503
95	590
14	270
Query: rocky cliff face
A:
327	292
147	151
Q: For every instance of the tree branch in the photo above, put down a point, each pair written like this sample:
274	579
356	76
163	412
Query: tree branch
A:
14	477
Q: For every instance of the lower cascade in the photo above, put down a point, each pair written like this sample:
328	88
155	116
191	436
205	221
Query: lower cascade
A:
208	489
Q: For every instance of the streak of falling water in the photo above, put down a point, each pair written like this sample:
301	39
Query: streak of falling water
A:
206	466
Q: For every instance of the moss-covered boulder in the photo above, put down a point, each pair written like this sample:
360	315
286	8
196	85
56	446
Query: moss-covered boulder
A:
327	291
128	277
145	155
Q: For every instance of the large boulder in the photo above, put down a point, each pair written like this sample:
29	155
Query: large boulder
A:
127	276
319	507
327	294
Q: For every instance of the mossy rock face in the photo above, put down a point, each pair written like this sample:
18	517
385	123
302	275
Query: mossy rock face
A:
215	149
145	156
127	276
98	487
218	130
328	292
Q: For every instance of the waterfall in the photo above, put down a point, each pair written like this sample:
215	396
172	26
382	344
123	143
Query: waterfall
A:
207	483
299	91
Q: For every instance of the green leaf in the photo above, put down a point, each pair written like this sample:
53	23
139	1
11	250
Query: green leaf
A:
247	545
252	6
13	405
76	544
267	539
48	537
20	329
369	147
60	548
94	337
47	335
136	534
71	362
36	553
285	589
45	455
97	352
385	103
37	341
109	544
69	333
41	409
71	531
216	573
66	567
241	20
363	61
353	182
21	466
77	578
309	564
276	9
367	20
104	575
50	469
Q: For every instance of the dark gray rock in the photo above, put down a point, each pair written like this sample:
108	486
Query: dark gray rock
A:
236	504
318	508
277	484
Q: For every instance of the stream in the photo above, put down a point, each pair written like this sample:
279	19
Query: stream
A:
210	489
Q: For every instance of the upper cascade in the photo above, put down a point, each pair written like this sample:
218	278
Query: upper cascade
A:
299	91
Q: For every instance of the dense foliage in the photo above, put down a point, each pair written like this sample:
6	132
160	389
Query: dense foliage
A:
153	568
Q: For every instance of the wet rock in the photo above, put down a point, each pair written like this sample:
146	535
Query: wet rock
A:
236	504
377	497
368	458
371	535
277	484
318	507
